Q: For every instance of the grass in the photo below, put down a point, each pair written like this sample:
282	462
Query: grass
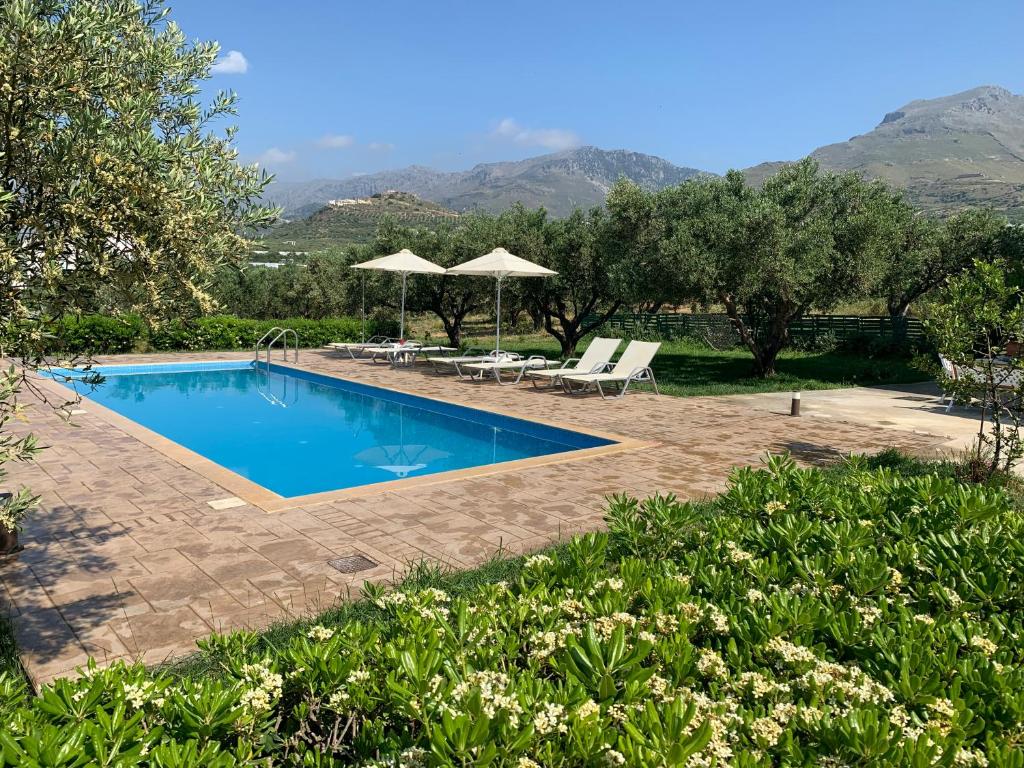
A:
689	368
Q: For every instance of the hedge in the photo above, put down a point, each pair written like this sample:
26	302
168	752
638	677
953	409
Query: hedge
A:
803	618
105	335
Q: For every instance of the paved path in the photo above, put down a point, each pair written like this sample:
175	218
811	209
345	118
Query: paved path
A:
903	407
126	559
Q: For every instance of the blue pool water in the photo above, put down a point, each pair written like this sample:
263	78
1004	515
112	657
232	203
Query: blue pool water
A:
295	432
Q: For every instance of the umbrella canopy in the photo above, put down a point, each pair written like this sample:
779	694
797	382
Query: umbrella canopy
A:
500	264
405	262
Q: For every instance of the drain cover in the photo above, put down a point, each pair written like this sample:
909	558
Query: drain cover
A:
352	563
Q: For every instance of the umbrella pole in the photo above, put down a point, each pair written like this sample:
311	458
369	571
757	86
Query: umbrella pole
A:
362	288
401	322
497	331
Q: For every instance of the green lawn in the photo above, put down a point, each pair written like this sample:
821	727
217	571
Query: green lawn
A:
686	368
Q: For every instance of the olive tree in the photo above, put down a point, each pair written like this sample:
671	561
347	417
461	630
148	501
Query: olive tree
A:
585	292
974	321
920	253
449	298
804	241
640	229
114	185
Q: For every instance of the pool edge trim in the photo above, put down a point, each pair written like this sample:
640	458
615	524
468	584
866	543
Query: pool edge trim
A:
266	500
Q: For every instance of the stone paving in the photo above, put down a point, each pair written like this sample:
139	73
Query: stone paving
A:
126	559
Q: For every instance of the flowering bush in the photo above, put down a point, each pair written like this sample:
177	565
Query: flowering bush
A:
803	618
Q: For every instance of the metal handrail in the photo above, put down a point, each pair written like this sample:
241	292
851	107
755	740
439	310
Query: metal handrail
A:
282	334
263	338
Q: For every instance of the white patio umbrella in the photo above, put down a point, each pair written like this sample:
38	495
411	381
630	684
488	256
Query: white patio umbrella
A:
405	262
500	264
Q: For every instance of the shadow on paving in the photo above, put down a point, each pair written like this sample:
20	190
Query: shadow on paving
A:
67	590
809	453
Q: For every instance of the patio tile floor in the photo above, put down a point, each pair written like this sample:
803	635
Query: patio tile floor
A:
126	558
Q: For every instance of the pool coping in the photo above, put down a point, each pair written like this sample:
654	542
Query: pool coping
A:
269	501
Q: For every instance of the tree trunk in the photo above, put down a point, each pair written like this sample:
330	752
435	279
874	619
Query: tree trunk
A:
569	343
452	327
765	356
765	350
898	306
538	318
572	330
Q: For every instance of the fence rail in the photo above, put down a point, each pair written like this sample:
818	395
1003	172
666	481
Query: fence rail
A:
842	327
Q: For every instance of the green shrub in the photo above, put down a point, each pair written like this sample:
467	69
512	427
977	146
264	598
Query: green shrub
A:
100	334
227	332
804	618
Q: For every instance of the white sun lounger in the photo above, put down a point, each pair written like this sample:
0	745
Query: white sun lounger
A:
498	367
352	348
407	354
444	364
633	367
596	358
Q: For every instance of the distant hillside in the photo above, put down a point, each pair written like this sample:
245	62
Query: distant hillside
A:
352	220
955	151
560	182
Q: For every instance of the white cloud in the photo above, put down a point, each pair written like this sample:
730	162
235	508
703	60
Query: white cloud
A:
549	138
380	146
231	63
275	156
335	141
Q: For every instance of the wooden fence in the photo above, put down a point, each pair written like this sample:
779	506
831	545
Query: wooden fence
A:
841	327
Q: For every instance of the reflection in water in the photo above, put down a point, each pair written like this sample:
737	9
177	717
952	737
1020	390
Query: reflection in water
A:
402	459
274	387
305	434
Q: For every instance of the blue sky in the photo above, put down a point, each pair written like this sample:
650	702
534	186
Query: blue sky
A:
336	88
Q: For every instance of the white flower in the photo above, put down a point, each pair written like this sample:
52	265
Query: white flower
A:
392	599
137	695
550	718
536	560
719	621
612	757
320	633
895	580
587	708
869	614
984	645
737	555
970	757
710	664
766	730
256	699
493	687
338	700
794	654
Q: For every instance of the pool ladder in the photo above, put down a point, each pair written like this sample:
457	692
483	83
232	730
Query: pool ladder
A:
274	335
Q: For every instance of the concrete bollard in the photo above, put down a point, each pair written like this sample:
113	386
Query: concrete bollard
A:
794	406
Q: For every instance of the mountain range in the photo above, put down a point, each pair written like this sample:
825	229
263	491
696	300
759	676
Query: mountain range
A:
574	178
947	153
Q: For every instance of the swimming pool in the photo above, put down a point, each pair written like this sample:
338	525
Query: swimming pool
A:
296	433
